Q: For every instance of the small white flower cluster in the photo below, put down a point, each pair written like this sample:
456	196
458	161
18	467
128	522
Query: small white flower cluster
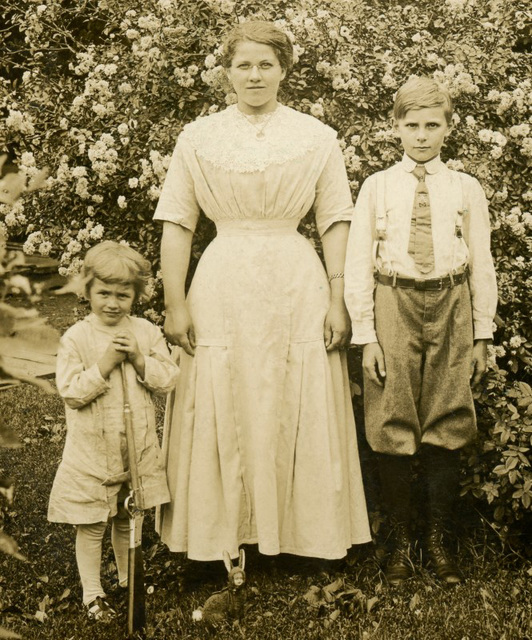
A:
19	121
341	75
496	139
213	76
457	7
103	157
13	215
185	77
35	242
457	80
317	109
353	161
455	165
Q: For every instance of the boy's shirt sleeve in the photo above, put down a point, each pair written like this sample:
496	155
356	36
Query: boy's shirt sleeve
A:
77	385
482	280
359	280
160	372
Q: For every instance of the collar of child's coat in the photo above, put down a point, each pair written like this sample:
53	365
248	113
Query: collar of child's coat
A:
432	166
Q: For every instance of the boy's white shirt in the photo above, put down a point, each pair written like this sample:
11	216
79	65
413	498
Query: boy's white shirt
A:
447	195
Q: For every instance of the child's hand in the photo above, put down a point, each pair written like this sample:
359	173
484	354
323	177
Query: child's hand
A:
478	361
110	359
373	363
126	343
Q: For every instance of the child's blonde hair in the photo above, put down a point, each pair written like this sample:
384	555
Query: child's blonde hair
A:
115	263
420	92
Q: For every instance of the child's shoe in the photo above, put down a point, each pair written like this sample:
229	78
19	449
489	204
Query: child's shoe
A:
440	561
100	610
399	566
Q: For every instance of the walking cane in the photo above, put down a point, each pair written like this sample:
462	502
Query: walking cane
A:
134	504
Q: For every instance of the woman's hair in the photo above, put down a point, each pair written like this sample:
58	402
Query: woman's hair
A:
115	263
264	33
422	93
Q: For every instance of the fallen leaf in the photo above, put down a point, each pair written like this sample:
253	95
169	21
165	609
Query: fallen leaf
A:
5	633
41	615
10	546
334	586
414	602
371	603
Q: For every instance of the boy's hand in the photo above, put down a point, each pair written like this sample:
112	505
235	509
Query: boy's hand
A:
373	363
337	326
478	361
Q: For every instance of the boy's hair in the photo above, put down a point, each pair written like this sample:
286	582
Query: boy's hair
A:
115	263
422	93
262	32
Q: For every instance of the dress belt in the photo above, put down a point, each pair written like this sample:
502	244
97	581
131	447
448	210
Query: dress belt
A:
423	284
257	226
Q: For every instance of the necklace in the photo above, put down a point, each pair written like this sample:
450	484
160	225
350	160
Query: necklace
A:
259	123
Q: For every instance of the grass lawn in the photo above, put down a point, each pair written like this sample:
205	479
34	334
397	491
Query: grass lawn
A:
41	598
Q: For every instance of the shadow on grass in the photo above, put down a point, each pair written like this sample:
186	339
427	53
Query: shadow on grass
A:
41	598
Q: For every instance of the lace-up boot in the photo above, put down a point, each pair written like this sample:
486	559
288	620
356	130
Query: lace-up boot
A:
395	477
442	470
399	566
439	558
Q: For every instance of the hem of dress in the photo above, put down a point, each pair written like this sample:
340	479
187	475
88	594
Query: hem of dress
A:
270	552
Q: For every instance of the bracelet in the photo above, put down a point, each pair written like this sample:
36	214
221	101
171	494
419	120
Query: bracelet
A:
336	275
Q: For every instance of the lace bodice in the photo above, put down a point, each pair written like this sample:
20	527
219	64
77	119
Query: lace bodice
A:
221	166
230	140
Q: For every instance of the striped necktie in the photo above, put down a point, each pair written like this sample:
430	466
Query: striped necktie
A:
420	246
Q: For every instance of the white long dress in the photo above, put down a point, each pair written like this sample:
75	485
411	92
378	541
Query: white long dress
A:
260	436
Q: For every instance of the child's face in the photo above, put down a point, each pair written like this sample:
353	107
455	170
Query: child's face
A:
111	302
422	132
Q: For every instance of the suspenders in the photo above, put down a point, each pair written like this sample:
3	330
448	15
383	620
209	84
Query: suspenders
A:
380	244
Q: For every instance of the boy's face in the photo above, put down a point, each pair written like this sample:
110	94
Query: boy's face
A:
111	302
422	132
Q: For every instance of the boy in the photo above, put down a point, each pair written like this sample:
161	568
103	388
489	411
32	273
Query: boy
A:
421	292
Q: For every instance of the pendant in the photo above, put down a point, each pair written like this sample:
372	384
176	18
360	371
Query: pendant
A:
260	135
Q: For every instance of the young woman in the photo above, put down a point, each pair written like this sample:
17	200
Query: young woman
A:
260	437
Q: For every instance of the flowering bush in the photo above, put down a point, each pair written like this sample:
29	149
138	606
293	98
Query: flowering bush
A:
99	90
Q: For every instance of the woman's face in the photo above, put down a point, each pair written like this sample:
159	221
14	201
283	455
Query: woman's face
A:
255	74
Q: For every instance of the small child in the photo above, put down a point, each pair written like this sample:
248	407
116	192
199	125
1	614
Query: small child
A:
421	292
91	482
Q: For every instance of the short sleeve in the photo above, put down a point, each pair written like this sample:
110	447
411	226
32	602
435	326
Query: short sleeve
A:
178	202
333	201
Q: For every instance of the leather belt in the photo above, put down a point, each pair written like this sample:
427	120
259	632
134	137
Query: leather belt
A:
430	284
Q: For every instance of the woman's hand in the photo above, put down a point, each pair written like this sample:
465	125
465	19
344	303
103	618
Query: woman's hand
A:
373	363
179	329
337	327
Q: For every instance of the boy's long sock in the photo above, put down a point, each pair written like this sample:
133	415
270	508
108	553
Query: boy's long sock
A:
395	474
442	473
89	539
120	542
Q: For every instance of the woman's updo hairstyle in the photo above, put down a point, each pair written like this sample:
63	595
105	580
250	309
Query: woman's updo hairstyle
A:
264	33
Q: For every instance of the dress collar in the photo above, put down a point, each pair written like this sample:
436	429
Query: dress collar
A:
432	166
233	143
